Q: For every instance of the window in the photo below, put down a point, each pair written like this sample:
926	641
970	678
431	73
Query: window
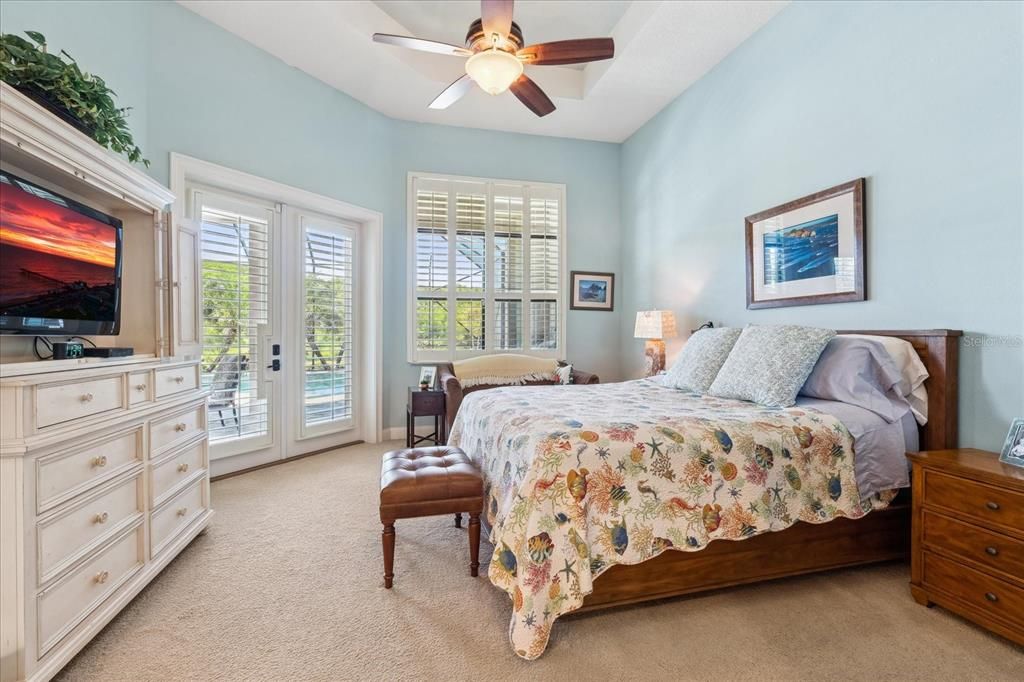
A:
487	267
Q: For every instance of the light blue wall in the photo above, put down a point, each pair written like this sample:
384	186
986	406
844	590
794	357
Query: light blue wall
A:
209	94
922	99
590	171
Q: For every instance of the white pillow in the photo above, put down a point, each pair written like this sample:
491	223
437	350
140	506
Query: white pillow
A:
564	374
911	369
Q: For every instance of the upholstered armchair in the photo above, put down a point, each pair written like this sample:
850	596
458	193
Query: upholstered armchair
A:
454	390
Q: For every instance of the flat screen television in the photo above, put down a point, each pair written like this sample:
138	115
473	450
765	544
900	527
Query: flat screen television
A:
60	264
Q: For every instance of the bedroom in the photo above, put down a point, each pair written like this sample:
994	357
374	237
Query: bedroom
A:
264	119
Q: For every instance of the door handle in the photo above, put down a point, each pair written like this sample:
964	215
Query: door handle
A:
275	365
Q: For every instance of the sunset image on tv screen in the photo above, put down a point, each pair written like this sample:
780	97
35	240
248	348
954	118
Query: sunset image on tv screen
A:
55	262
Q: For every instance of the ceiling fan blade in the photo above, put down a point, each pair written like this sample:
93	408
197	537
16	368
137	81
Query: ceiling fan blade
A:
421	44
453	93
496	16
568	51
530	94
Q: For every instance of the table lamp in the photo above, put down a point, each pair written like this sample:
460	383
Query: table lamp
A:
654	325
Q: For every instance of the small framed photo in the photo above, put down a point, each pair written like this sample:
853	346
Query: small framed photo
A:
1013	448
428	375
592	291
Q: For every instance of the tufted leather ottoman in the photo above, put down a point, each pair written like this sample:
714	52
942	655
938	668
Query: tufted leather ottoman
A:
426	482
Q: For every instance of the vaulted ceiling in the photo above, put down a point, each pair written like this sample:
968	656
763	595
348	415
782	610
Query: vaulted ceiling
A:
661	49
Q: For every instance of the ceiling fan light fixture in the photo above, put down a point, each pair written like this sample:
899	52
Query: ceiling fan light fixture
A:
494	70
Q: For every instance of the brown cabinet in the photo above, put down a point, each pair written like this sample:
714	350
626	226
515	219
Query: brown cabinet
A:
968	538
425	404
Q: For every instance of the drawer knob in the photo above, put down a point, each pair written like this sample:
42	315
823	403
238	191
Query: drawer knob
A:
140	387
179	379
991	596
182	511
86	397
992	551
180	426
101	517
183	467
101	577
994	506
100	461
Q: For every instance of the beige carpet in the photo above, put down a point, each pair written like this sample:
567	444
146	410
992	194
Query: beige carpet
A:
286	585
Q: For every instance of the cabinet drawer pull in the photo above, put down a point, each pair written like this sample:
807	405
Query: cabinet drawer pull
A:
991	596
100	461
101	577
179	379
994	506
183	467
140	387
992	551
101	517
182	511
85	397
180	426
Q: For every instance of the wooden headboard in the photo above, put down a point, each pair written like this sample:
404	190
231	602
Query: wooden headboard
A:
940	351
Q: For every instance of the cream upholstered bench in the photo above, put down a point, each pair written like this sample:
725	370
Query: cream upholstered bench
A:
429	481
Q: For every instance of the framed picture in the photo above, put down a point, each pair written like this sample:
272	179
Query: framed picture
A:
592	290
1013	448
808	251
428	374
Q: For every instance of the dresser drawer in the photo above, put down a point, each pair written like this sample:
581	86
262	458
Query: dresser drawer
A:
139	388
68	602
983	592
166	523
59	403
66	537
174	380
170	473
64	474
971	542
986	503
167	432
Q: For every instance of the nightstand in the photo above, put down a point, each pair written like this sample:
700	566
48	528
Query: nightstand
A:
425	404
968	537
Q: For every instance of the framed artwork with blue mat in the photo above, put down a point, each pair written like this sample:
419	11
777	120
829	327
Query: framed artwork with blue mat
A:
808	251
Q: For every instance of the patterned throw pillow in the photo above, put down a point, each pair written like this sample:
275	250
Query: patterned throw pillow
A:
769	364
701	358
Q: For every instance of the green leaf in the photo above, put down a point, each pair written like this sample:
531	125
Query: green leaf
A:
36	36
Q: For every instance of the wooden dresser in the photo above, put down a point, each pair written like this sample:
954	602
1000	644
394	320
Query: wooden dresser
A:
968	537
104	478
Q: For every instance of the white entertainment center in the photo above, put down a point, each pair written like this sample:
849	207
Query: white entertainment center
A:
104	466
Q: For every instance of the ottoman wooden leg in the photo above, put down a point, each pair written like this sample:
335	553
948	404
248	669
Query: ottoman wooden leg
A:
389	553
458	520
474	543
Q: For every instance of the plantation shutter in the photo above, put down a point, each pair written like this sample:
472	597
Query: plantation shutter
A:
487	268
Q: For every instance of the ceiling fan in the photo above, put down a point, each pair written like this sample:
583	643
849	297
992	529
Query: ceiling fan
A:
494	45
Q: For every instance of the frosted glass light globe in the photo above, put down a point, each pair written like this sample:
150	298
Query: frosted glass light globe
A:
493	70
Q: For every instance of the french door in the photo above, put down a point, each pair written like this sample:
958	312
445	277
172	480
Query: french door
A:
280	315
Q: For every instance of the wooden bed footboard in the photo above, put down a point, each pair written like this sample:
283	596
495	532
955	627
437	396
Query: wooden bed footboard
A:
882	535
802	548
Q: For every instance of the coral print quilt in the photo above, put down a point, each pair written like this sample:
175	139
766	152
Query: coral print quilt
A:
581	478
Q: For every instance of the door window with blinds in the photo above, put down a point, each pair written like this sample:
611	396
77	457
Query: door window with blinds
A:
487	262
327	312
235	255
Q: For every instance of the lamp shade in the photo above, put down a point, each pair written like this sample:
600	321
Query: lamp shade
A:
655	324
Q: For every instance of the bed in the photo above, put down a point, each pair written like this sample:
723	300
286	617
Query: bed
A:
683	494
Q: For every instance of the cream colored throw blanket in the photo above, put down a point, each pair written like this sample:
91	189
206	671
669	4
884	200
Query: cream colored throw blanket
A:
504	370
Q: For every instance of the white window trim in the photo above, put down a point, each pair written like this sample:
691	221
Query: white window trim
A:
418	357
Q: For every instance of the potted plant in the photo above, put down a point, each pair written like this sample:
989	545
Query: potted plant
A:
81	99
